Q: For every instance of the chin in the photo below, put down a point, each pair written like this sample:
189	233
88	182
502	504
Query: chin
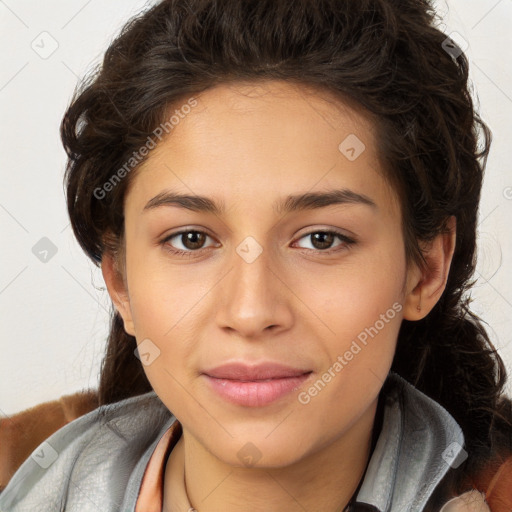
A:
258	451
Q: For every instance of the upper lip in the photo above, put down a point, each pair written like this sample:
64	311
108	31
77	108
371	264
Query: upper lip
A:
262	371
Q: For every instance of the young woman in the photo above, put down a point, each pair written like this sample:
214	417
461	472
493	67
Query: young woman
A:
283	199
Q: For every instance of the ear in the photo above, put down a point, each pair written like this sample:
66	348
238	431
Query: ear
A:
117	290
426	287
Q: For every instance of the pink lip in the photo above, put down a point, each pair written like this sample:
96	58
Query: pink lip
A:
255	386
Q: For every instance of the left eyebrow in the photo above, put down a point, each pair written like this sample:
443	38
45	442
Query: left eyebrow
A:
313	200
298	202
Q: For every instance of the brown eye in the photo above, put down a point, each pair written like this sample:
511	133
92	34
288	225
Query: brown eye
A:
193	239
322	241
186	242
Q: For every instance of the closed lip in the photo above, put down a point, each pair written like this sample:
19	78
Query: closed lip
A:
254	372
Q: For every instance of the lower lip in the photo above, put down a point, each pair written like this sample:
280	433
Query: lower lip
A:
255	393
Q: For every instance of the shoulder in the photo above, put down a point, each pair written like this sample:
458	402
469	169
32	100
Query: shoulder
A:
89	462
492	492
496	482
433	448
471	501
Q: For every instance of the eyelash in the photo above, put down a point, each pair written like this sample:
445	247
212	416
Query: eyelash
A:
347	242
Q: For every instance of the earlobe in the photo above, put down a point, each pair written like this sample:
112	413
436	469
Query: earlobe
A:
117	290
428	285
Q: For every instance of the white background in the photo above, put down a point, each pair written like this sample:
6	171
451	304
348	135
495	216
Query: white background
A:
54	315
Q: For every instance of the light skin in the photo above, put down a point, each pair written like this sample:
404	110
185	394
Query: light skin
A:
247	146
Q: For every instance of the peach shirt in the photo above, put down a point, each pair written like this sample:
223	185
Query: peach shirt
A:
151	491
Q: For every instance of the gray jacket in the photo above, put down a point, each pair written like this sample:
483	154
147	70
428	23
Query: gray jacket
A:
96	462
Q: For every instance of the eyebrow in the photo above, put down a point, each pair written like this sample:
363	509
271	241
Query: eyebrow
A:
292	203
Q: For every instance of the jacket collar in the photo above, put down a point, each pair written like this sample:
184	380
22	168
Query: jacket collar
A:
418	443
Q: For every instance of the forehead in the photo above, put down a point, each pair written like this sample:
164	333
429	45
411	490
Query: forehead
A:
286	102
249	139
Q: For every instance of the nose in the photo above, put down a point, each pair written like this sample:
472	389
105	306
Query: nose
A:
253	298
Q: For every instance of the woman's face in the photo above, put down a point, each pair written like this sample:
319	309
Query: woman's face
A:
307	319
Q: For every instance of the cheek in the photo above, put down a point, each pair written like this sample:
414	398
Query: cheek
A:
163	320
159	313
355	296
154	298
362	308
366	320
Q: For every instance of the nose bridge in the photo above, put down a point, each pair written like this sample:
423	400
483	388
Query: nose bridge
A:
252	295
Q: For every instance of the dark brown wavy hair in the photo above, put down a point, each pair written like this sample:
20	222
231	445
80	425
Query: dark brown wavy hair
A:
386	56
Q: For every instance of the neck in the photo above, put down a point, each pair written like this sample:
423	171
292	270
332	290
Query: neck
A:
324	480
